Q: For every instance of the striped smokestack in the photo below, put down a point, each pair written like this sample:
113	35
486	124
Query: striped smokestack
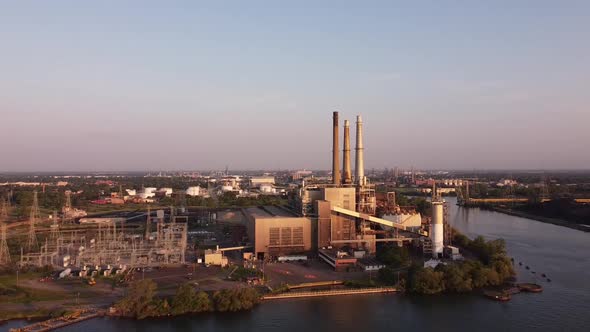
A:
335	152
346	172
360	158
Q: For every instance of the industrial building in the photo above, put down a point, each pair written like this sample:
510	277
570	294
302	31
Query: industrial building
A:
257	181
275	232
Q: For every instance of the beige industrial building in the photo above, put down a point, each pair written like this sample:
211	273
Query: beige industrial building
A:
275	232
256	181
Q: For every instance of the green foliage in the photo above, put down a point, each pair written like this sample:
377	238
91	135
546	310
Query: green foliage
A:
184	299
493	268
235	299
456	278
202	303
388	275
242	273
139	301
360	283
187	300
427	281
394	256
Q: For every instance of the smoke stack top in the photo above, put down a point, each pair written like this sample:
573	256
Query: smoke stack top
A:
360	158
346	172
335	151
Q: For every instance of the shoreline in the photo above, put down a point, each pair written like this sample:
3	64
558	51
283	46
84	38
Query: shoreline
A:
547	220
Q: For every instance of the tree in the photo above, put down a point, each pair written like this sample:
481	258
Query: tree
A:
427	281
394	256
202	303
185	300
139	299
388	275
235	299
455	278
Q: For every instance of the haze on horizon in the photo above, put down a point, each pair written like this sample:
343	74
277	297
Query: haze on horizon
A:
146	85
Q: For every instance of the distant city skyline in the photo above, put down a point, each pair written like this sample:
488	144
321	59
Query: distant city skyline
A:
133	86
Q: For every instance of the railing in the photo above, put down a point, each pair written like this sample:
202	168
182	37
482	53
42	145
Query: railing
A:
330	293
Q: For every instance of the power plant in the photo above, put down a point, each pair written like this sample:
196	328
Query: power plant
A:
342	212
334	217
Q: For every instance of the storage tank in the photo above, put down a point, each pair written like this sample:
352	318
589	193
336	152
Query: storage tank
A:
436	230
65	273
166	191
266	188
194	191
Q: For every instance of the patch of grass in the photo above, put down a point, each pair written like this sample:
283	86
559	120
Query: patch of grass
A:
33	314
28	295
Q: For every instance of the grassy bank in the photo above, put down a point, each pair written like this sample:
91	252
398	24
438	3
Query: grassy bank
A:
558	222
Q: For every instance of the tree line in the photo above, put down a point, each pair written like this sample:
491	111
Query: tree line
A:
142	301
493	268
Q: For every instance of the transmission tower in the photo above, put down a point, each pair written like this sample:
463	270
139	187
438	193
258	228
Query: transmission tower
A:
544	188
54	227
4	253
67	209
148	223
172	214
32	239
4	210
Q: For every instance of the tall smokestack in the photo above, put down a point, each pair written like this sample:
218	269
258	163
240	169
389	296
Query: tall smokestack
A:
346	172
360	158
335	152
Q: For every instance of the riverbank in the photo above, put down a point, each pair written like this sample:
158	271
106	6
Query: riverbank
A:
558	222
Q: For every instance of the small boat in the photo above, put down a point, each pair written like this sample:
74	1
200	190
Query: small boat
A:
531	288
527	267
548	280
543	275
497	296
520	263
533	272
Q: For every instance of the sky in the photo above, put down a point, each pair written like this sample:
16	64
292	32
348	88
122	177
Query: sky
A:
191	85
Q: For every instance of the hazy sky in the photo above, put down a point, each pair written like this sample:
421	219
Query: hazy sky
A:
133	85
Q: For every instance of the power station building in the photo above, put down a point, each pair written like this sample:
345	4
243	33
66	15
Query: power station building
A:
276	232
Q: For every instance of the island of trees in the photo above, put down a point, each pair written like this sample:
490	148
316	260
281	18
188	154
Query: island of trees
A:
491	268
142	301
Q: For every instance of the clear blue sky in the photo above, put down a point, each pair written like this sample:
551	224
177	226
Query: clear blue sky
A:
129	85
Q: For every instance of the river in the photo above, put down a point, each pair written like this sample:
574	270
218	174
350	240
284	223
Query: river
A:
561	253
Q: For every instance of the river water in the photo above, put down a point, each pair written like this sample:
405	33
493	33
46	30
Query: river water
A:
561	253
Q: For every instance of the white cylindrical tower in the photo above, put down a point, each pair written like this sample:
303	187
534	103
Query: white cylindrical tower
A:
360	158
436	229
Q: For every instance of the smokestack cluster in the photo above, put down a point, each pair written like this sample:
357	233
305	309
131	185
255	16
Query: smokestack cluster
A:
346	176
360	158
335	152
346	172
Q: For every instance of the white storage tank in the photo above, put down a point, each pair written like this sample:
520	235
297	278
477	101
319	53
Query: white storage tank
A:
166	191
437	229
194	191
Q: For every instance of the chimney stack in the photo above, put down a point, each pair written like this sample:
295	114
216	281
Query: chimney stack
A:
335	152
346	172
360	159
